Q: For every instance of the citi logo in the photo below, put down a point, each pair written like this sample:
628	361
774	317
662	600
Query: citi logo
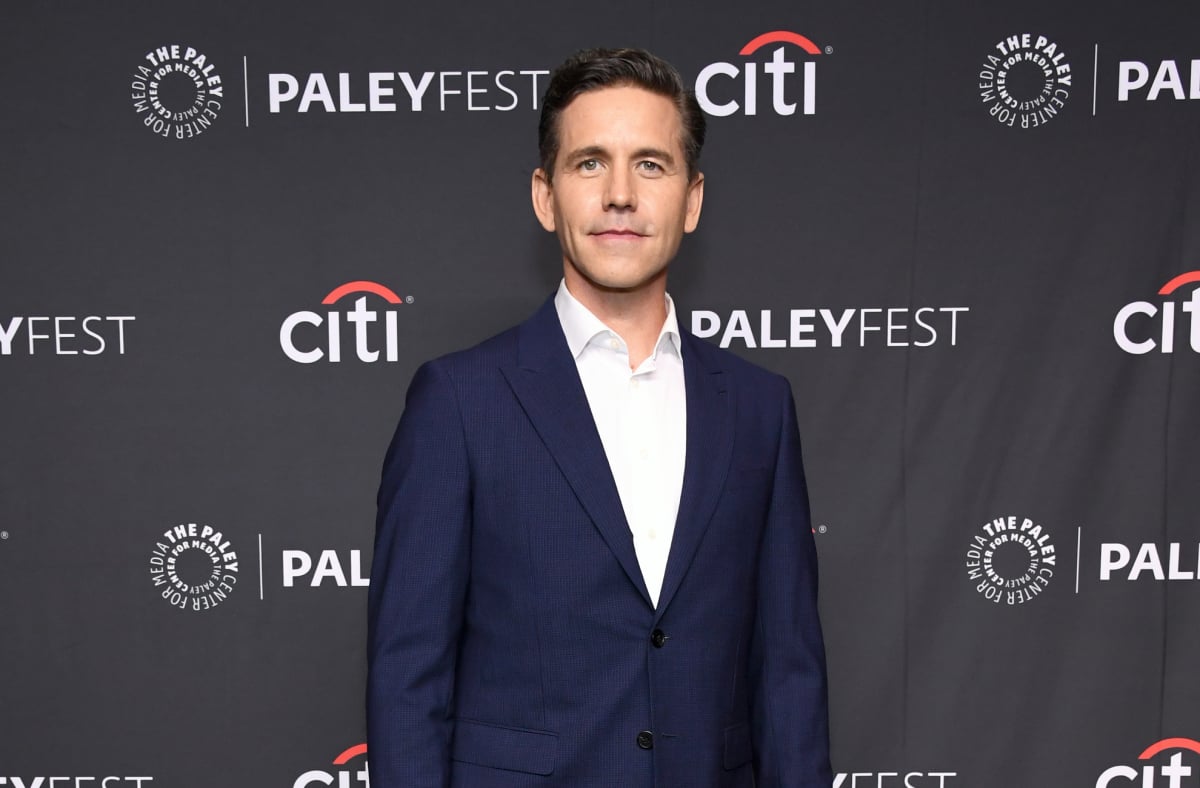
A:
1142	326
717	85
1147	775
324	340
344	777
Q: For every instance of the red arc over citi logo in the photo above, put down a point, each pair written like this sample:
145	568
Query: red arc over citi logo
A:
718	81
345	777
1147	775
1142	326
310	346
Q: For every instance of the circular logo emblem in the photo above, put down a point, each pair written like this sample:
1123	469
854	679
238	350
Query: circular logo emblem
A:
1011	560
1025	81
194	566
177	91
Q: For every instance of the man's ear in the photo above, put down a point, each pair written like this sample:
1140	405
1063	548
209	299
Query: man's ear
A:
543	199
695	199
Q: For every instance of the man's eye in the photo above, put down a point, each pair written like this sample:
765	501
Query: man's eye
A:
589	165
650	166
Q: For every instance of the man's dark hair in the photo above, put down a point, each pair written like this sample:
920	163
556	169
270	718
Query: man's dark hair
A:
592	69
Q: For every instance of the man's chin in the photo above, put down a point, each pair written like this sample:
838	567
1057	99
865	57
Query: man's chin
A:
624	285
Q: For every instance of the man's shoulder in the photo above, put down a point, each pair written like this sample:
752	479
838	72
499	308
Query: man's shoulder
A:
469	365
501	350
505	348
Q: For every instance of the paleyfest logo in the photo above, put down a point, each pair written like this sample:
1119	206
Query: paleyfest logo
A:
1025	81
1134	75
348	572
177	91
895	780
45	781
63	335
855	327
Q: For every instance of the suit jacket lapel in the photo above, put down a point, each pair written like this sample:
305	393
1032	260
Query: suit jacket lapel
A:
710	412
547	384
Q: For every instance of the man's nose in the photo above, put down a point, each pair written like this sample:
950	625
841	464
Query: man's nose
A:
621	191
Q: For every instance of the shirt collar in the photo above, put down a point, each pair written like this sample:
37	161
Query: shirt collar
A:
581	326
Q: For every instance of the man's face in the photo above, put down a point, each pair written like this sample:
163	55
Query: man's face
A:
619	200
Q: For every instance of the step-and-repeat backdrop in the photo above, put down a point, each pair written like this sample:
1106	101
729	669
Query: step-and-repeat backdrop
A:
968	233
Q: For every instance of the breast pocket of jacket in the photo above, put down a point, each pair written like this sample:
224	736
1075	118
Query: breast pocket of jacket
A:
500	747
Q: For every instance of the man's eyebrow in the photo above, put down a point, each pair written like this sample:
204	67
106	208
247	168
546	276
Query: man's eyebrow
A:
591	151
654	153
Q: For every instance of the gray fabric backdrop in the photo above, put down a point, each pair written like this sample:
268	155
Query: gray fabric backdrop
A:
953	246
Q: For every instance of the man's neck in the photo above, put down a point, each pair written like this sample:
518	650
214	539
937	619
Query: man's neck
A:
637	316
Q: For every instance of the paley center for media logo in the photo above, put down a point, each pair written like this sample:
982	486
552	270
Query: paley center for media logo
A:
853	327
177	91
345	775
1011	559
725	88
1143	326
322	339
194	566
1025	81
1155	769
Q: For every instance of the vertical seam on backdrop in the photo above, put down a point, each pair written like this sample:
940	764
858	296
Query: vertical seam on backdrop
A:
1166	498
653	23
904	389
1166	488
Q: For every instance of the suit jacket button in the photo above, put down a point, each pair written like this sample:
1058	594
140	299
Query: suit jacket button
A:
658	638
645	740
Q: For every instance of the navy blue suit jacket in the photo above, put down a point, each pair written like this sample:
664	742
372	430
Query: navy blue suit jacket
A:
511	638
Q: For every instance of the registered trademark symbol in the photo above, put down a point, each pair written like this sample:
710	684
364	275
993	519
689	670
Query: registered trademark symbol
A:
409	299
829	50
3	534
822	528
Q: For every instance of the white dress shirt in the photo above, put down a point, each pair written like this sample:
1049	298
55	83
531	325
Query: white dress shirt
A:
641	416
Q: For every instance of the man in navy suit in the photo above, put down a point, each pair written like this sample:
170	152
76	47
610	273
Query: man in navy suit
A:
593	562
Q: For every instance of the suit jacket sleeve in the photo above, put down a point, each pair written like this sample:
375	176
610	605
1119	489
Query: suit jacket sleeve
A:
417	590
788	681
